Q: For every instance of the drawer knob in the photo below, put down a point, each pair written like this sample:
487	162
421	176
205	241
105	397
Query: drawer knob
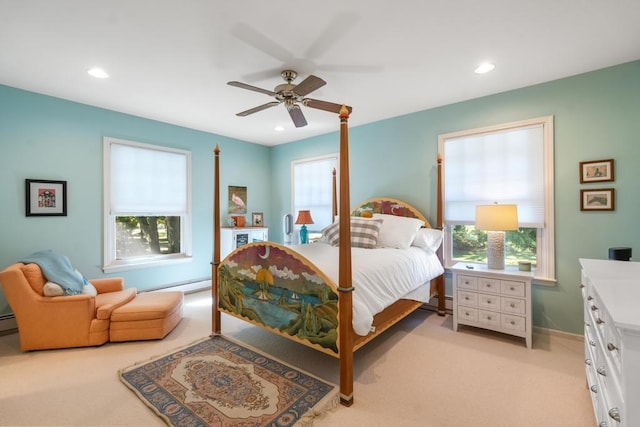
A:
611	346
587	324
581	286
513	305
601	371
594	388
603	424
615	414
512	322
594	308
592	343
599	321
589	298
512	288
587	362
488	317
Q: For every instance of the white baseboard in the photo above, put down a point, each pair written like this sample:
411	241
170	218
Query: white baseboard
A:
8	323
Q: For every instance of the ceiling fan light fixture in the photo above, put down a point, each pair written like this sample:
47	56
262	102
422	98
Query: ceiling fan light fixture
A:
279	128
484	68
98	73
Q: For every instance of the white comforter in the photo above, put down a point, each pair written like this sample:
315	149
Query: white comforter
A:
380	276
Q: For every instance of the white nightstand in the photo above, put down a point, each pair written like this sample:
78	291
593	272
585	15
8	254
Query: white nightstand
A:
499	300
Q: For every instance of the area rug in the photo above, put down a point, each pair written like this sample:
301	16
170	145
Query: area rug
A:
220	382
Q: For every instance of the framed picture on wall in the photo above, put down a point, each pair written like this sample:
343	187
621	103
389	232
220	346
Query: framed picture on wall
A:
46	197
256	219
601	199
596	171
237	200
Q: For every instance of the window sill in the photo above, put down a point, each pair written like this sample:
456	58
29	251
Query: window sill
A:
132	264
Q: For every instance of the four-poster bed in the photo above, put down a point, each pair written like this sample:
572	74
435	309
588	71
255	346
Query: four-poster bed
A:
278	288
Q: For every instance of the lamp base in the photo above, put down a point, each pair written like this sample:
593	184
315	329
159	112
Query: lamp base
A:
304	235
495	250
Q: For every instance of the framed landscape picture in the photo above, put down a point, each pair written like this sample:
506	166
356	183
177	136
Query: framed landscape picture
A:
602	199
46	197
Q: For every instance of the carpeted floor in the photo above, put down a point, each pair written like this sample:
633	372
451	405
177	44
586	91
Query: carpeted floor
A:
419	373
219	382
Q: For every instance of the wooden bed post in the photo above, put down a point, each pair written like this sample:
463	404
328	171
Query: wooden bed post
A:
439	226
215	313
344	275
334	204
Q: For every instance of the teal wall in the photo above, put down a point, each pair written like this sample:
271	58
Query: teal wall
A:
43	137
596	116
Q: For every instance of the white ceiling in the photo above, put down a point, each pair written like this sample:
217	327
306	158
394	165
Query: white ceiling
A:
170	60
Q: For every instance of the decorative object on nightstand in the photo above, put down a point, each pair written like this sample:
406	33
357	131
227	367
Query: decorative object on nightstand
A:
304	218
491	299
496	219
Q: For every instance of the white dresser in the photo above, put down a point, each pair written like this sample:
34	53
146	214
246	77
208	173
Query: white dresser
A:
499	300
611	293
232	238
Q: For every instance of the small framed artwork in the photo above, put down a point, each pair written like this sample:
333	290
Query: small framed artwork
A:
237	200
596	171
46	198
602	199
256	219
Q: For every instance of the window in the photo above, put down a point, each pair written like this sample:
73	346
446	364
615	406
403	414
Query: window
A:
312	189
147	199
510	163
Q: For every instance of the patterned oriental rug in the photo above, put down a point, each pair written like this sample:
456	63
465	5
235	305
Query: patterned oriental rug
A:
219	382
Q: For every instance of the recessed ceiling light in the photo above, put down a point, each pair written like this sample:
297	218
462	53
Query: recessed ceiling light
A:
279	128
98	73
485	67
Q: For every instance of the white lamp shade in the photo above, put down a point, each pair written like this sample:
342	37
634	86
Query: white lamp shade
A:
497	217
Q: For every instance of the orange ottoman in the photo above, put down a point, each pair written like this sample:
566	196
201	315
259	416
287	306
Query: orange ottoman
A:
149	316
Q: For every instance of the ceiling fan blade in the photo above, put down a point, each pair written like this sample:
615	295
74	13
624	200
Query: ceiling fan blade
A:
258	108
253	88
308	85
296	115
324	105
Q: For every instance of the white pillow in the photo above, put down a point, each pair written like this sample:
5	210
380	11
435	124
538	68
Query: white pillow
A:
397	231
428	238
51	289
89	289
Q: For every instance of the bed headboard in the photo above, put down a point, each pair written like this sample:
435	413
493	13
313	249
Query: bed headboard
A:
387	205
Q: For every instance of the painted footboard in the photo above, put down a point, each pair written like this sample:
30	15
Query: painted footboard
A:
276	288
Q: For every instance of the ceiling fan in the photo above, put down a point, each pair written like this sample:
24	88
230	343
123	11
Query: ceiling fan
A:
292	96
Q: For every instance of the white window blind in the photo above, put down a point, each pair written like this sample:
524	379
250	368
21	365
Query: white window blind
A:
312	189
148	181
505	167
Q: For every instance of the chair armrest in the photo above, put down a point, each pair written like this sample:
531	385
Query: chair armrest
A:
108	284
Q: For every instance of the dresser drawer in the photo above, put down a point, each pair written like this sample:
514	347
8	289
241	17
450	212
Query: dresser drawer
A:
489	318
489	285
513	305
512	288
468	313
514	323
469	299
467	282
489	302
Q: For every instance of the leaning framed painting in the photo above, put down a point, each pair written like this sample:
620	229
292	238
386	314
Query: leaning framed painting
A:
601	199
596	171
45	197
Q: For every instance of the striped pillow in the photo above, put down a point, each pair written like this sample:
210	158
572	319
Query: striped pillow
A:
364	232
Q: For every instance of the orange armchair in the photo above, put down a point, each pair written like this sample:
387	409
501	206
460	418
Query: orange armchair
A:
61	321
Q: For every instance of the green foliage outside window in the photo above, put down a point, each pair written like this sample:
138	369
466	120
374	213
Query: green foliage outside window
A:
469	244
147	235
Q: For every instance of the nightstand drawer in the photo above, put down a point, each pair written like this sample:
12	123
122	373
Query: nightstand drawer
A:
489	302
513	305
467	282
512	288
489	285
468	313
470	299
515	323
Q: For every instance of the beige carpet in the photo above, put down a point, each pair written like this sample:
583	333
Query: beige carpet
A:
420	373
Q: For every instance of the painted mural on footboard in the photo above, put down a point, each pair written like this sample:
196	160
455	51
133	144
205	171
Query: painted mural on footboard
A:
278	288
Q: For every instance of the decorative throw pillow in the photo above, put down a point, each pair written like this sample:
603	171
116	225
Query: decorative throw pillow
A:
51	289
364	232
428	238
397	231
89	289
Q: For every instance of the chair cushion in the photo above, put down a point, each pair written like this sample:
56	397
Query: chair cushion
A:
147	306
34	276
107	303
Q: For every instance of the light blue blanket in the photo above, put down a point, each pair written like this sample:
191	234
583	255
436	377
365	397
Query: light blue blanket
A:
57	269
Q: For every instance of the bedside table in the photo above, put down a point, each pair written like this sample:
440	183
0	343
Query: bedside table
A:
499	300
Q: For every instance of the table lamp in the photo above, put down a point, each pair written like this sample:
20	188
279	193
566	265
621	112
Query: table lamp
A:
496	219
304	217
